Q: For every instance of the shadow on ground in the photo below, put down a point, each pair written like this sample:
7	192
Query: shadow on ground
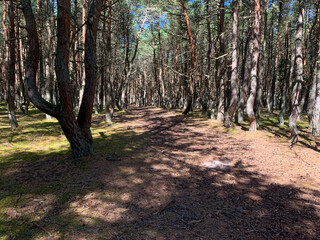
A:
156	189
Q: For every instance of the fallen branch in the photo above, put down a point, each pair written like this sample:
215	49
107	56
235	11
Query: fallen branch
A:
42	228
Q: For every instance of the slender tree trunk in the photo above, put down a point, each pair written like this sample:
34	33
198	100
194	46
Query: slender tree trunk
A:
312	98
10	61
108	97
297	85
221	64
316	108
275	73
193	61
234	70
285	83
207	78
253	74
245	75
161	69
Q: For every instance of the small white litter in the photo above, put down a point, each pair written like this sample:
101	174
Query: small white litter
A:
216	164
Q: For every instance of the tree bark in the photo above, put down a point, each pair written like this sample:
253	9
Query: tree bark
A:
85	112
234	70
193	61
316	108
77	132
11	62
253	74
245	75
275	73
297	84
221	63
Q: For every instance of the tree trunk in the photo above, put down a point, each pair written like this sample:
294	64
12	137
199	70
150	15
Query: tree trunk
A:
11	63
77	132
108	86
276	63
316	108
221	63
245	75
297	85
285	82
85	113
234	70
193	61
253	74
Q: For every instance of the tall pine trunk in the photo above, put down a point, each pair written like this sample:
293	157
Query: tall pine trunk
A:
234	70
254	69
297	84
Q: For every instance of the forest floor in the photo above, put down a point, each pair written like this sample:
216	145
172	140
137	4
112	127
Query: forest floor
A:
158	175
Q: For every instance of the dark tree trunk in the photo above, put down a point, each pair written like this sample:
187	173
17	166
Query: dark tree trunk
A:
193	61
85	113
11	66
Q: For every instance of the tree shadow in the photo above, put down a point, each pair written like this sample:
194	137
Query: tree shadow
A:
158	190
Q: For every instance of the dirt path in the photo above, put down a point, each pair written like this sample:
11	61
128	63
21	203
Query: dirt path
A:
186	180
262	190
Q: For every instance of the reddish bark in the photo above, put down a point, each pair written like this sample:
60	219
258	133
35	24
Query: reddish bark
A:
77	132
193	61
234	73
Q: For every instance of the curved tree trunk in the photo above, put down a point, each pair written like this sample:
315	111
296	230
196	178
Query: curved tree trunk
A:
77	132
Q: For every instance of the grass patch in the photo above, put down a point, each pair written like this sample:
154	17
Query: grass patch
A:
35	167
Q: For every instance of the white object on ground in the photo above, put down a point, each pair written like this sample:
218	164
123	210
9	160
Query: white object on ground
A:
216	164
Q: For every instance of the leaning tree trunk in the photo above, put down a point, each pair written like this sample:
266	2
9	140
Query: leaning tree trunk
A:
254	72
234	74
297	85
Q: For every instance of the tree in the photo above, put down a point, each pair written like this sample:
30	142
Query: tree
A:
297	84
316	108
193	61
10	60
77	131
253	73
234	70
